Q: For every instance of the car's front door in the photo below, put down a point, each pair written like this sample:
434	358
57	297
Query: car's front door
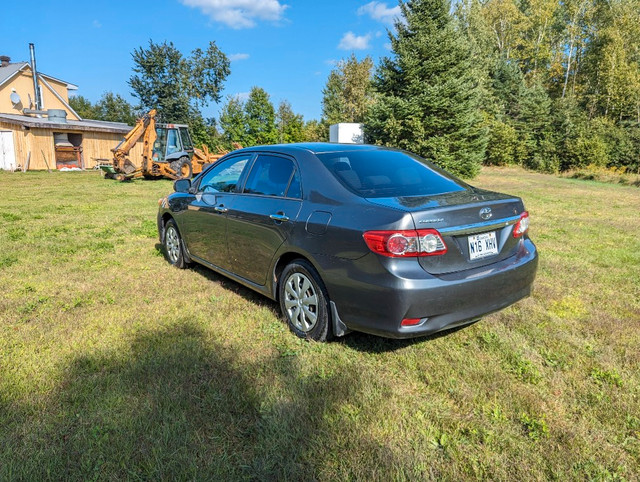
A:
204	225
263	215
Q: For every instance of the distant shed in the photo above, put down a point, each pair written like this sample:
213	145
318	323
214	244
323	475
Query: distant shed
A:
72	143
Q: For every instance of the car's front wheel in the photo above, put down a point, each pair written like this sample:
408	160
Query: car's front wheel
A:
304	301
173	245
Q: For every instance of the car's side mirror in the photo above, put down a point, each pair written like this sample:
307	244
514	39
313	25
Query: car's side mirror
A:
182	185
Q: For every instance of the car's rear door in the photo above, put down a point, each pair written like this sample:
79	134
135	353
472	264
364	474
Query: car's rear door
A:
204	224
263	215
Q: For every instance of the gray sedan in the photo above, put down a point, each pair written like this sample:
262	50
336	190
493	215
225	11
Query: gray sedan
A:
353	237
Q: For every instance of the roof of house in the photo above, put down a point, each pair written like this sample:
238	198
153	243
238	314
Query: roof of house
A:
8	72
70	125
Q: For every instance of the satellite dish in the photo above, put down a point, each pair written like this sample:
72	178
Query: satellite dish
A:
15	98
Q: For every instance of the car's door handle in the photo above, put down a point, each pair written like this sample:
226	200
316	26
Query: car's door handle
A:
221	209
279	217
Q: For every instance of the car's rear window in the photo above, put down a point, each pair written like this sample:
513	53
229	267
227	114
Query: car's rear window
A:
381	173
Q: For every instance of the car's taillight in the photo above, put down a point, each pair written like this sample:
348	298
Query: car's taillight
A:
406	243
522	226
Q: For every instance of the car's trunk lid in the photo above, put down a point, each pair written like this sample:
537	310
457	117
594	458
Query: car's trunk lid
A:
476	225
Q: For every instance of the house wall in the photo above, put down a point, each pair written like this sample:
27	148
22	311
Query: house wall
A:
23	85
95	145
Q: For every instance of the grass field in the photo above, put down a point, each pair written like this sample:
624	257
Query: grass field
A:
114	365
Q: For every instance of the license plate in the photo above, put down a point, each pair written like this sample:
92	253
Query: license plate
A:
482	245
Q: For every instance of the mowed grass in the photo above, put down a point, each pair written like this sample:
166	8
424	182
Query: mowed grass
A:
116	366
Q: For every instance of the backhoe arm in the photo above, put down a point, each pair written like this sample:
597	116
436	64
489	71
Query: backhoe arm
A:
145	128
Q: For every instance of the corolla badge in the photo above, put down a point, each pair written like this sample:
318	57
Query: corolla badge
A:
485	213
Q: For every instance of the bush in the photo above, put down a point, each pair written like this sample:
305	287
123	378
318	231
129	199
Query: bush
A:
588	149
502	148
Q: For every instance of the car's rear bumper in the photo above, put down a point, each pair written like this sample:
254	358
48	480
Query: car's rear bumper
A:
377	294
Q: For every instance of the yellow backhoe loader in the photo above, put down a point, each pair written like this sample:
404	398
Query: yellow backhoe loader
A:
167	151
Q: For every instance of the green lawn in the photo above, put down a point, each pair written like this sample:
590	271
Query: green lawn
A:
114	365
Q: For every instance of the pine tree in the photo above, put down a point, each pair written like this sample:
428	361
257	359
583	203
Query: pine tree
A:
534	126
290	124
232	123
260	118
428	92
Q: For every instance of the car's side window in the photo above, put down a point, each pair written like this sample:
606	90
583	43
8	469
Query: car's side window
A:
225	176
272	176
295	190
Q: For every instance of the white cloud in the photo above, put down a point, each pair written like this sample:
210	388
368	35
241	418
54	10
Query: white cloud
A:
351	41
239	14
388	46
242	96
379	11
96	24
331	62
234	57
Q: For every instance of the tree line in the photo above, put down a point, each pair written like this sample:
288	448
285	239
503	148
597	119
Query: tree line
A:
544	84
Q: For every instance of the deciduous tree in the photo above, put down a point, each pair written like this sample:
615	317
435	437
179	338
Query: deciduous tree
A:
347	94
175	85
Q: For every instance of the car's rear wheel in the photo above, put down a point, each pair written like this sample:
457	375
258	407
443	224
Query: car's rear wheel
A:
173	245
304	301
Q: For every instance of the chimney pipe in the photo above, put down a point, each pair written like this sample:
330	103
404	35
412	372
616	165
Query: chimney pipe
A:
4	60
32	50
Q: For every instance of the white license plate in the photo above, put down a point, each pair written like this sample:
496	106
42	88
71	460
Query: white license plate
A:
482	245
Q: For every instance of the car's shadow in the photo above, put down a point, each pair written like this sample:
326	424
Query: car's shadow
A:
377	344
363	342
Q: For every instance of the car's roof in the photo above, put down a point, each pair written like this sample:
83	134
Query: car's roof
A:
315	147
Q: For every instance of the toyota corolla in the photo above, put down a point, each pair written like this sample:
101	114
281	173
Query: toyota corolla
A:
353	237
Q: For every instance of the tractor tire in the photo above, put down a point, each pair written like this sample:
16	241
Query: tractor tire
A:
182	168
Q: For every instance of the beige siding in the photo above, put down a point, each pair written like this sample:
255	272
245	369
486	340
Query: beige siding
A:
95	145
22	83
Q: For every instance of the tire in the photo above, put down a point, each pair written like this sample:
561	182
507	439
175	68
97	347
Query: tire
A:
304	301
173	245
183	168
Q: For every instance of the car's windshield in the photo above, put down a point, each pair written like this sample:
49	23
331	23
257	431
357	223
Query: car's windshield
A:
382	173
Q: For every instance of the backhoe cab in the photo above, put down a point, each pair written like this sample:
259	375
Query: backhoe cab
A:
173	146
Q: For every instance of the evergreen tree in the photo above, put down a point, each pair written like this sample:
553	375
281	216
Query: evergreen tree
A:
290	125
232	123
260	118
332	100
534	126
428	93
507	83
83	107
111	107
115	108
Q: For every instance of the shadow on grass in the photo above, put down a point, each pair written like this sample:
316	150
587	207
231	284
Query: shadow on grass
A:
175	405
375	344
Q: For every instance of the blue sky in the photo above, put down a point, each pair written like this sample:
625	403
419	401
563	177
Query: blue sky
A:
287	47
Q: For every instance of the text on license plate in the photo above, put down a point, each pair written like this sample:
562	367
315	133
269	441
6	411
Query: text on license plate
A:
482	245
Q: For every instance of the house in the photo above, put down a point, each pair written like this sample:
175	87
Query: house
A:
40	130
